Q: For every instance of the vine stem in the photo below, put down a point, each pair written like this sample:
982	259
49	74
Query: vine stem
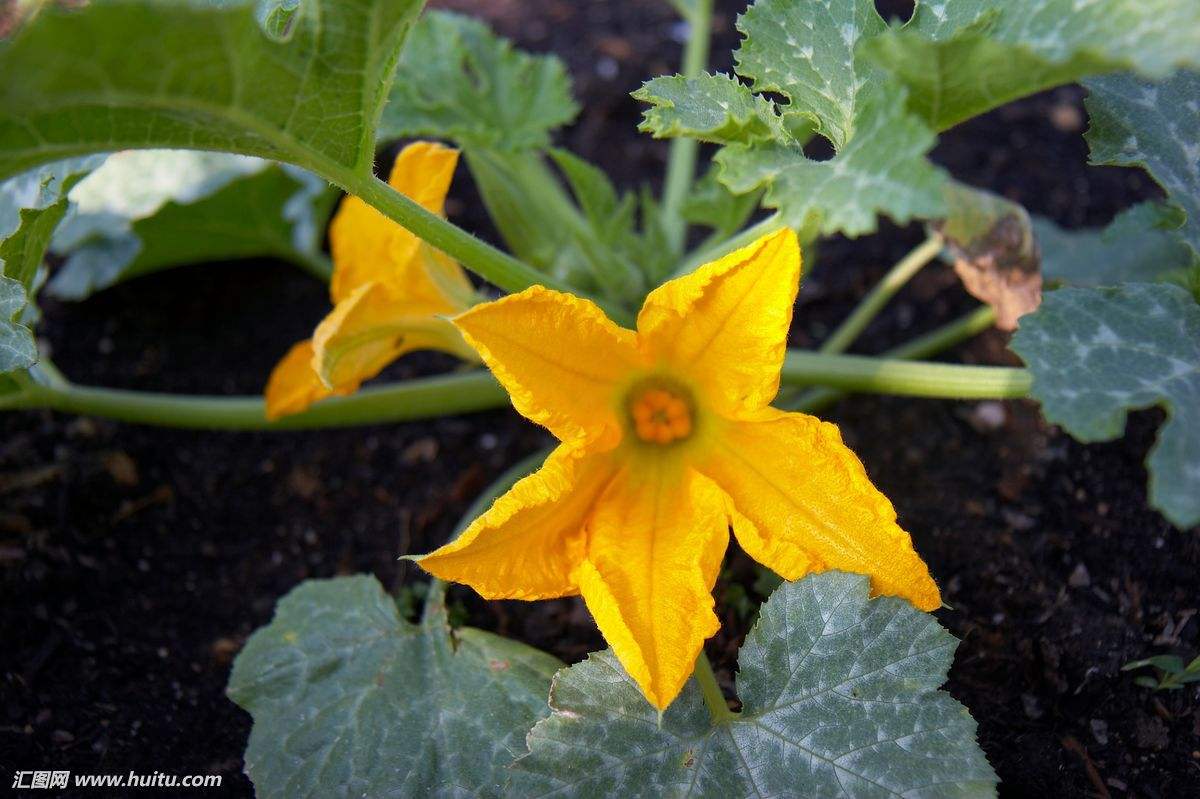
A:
681	158
905	378
483	259
422	398
870	306
748	236
718	708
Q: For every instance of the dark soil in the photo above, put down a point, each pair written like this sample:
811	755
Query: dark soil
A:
136	561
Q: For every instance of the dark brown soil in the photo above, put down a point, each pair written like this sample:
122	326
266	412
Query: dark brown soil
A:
135	561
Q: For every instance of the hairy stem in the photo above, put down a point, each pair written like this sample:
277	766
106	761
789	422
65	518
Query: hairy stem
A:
681	159
903	377
870	306
718	708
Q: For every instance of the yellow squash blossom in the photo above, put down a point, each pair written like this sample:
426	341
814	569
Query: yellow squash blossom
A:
391	293
668	440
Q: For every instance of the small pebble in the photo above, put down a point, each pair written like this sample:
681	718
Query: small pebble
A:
1100	731
1079	577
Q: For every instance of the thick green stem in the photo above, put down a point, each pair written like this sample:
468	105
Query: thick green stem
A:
681	159
413	399
926	346
480	257
748	236
870	306
904	378
718	708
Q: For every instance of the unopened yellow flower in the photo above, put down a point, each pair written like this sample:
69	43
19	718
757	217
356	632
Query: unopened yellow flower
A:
391	293
668	440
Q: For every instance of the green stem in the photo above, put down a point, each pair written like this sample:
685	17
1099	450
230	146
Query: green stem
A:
718	708
748	236
483	259
926	346
435	599
681	159
904	378
870	306
413	399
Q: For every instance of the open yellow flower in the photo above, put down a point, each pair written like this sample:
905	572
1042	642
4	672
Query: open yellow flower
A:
392	293
668	440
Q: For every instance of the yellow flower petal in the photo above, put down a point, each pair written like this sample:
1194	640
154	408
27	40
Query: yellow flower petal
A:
657	539
369	247
294	385
373	327
531	540
559	357
804	504
725	325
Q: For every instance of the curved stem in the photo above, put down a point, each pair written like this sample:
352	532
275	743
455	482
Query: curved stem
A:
681	159
884	290
413	399
748	236
483	259
718	708
905	378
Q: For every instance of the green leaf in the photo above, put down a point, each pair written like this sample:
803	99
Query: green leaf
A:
714	206
147	210
1096	354
31	206
457	80
805	51
1172	664
713	108
1139	245
149	73
962	58
839	698
1155	126
883	169
349	699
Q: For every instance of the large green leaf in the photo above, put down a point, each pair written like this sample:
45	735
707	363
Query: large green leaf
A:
146	210
839	698
1096	354
349	699
120	74
1155	126
31	206
804	52
1141	244
457	80
963	57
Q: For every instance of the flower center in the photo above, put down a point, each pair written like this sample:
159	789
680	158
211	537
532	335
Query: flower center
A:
660	416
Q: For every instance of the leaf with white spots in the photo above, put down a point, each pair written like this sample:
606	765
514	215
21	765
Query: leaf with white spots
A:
839	699
1096	354
349	699
127	74
1155	126
960	58
1142	244
711	108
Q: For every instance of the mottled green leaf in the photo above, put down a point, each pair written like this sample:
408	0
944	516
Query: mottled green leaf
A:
125	74
146	210
1155	126
1096	354
1141	244
713	108
31	206
351	700
805	51
457	80
960	58
883	169
839	699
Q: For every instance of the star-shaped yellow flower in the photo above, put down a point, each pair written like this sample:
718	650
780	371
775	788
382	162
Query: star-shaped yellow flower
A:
668	440
391	293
